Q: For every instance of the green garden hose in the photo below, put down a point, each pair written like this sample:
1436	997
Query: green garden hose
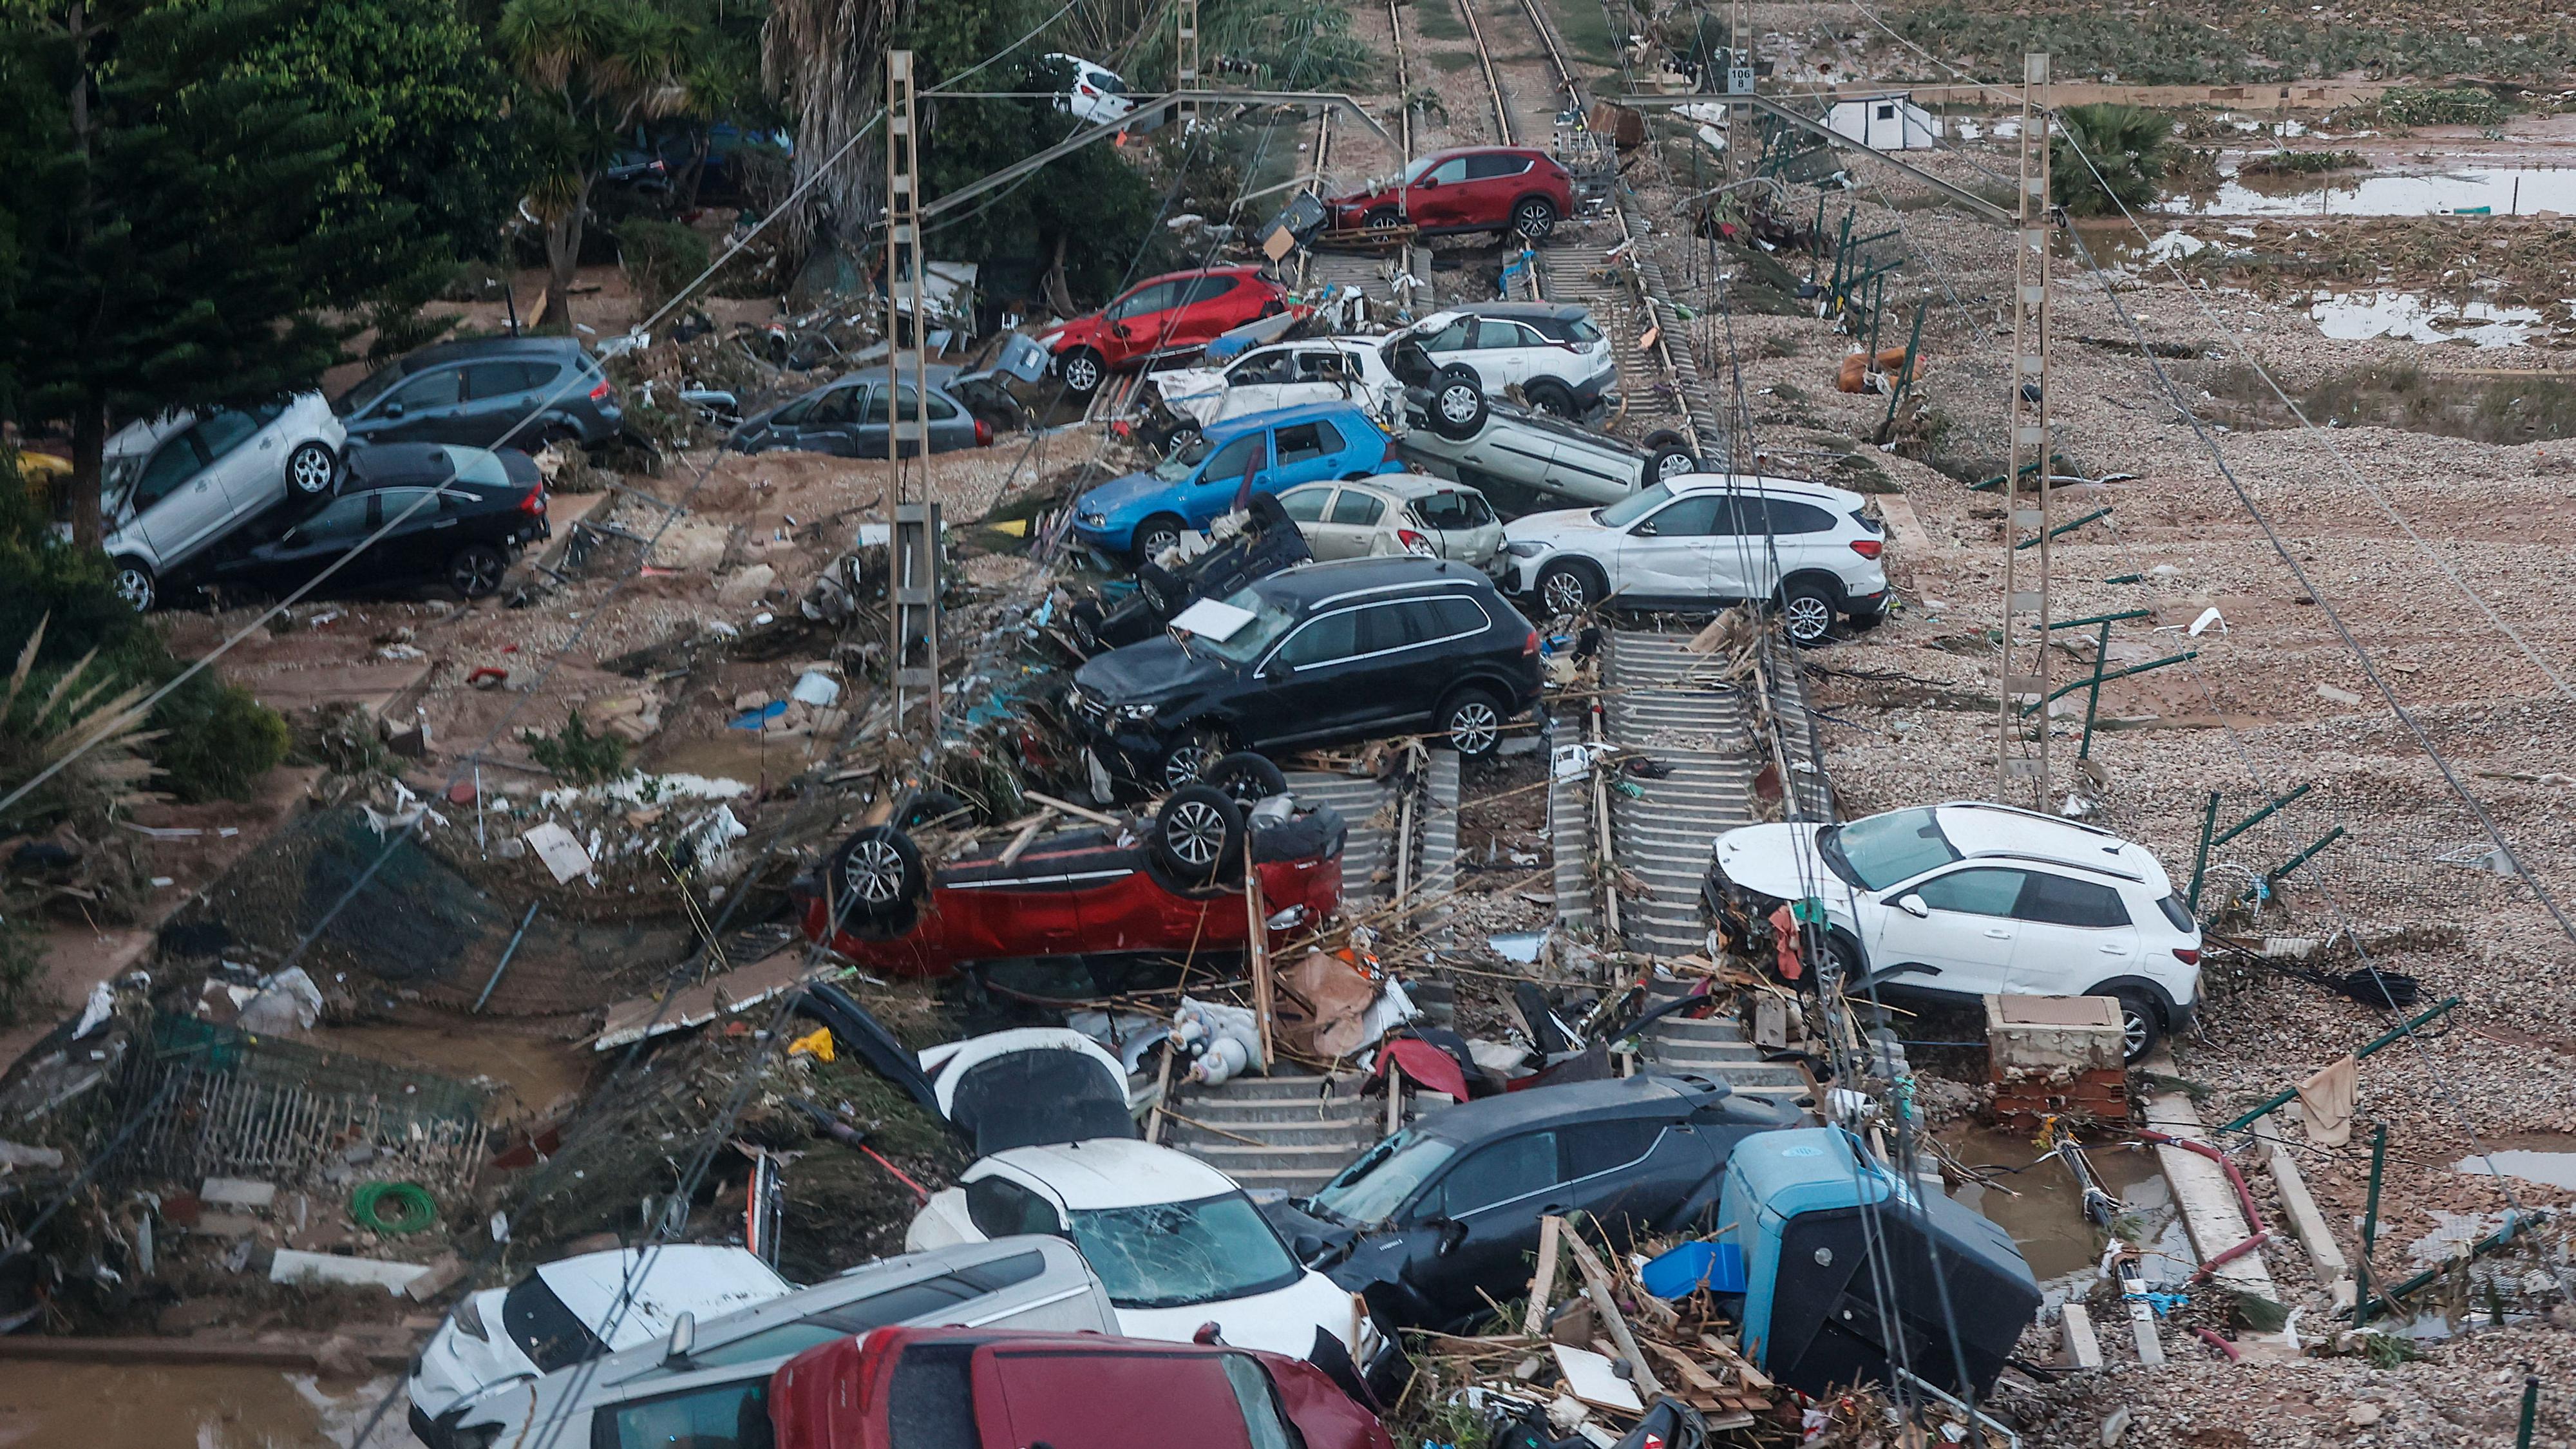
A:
393	1207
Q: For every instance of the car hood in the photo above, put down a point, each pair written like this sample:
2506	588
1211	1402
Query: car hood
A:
456	1365
1558	527
1120	493
1150	670
1282	1321
1778	861
1194	393
1073	330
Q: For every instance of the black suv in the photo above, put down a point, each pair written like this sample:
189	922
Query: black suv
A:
479	392
1320	654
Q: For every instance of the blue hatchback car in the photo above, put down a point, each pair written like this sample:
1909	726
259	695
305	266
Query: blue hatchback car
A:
1141	514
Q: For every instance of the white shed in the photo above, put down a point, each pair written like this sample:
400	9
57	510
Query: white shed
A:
1889	122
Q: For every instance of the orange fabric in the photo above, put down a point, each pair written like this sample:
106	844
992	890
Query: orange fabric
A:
1784	934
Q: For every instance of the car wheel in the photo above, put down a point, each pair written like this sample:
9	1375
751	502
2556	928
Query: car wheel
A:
310	469
1668	455
1458	406
1182	437
476	570
1534	218
1082	370
934	807
1164	591
1153	536
879	873
1198	833
1191	758
135	586
1807	611
2142	1024
1382	218
1567	588
1550	396
1472	722
1247	778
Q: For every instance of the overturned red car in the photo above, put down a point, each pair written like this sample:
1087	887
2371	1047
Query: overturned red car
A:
1171	884
905	1388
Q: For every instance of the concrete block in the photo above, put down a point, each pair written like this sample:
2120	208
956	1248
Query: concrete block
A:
292	1266
2307	1222
2083	1350
2053	1034
240	1192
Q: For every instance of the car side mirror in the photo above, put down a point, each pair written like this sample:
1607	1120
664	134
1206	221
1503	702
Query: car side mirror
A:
1643	530
1452	1233
1912	905
1275	669
392	410
1117	329
1427	182
1308	1247
684	1338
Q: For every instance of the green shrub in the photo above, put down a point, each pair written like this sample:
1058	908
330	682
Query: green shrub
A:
575	754
660	258
22	970
2443	106
217	740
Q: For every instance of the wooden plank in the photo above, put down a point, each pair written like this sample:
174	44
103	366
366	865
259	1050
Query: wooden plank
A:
1078	812
1028	834
1596	1286
1543	1278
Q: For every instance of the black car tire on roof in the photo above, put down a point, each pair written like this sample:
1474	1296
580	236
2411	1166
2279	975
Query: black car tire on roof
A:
934	807
1569	586
1153	536
1159	587
476	569
876	874
134	584
311	469
1534	217
1471	719
1198	834
1807	611
1247	778
1082	369
1458	405
1668	455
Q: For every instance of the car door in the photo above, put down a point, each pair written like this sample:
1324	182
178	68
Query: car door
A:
499	396
176	502
1396	678
1676	552
1221	477
840	423
1462	525
315	543
1479	1222
1306	508
1208	307
423	540
243	462
1305	452
2073	933
1965	932
1438	199
1502	355
1309	676
716	1409
1792	536
424	409
1629	1172
1131	323
1260	381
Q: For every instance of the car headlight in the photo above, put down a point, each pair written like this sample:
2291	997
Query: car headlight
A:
1524	548
469	1320
1133	713
1094	519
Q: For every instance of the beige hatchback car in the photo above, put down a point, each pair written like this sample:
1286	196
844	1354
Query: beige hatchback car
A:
1391	513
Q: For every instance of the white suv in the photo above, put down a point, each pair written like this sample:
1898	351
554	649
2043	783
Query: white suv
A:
1562	362
1966	900
1700	540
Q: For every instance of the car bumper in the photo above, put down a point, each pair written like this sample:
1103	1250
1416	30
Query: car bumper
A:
1107	537
1520	575
1866	603
1592	392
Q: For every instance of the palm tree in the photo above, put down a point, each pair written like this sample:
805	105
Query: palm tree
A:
825	61
2126	144
596	68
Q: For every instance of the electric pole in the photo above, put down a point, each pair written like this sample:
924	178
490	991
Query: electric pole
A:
2029	417
913	542
1185	53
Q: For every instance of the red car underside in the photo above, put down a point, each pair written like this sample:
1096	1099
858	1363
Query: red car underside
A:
1081	893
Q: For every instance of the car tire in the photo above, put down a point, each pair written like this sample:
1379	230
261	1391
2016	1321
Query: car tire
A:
1568	588
935	807
1471	720
1551	396
1382	218
1182	436
1806	612
311	469
1083	370
1190	758
1861	619
1247	778
1458	405
1153	536
1534	217
476	570
1666	461
1161	588
1198	833
876	874
2142	1023
135	584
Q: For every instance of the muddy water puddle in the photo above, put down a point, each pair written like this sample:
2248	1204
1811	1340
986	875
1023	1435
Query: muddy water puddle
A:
2548	1159
2043	1209
530	1073
152	1406
2452	191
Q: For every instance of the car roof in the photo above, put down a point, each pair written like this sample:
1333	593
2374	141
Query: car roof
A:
1406	486
1315	583
483	347
1236	269
1483	151
1116	1172
1842	498
1981	829
666	1281
1558	311
1651	1096
1232	428
396	465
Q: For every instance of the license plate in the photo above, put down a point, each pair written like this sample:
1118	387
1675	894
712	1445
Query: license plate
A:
1101	788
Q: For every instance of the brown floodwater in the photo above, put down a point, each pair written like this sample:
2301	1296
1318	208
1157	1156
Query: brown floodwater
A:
532	1072
153	1406
2043	1209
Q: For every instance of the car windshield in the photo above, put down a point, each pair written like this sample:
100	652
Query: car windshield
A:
1165	1255
1270	619
1633	507
1372	1188
1184	459
478	465
1879	851
1108	84
369	389
545	1330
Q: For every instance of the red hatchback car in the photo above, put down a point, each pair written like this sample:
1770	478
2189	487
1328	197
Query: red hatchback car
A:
953	1388
1477	188
1172	885
1170	313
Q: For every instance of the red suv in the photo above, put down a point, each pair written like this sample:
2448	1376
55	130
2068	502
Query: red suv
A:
1479	188
1170	313
953	1388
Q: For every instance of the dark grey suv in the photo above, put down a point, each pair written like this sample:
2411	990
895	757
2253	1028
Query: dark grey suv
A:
491	392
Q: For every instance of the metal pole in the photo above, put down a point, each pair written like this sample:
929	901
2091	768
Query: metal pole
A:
506	953
2093	696
2370	1224
2200	858
2530	1379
